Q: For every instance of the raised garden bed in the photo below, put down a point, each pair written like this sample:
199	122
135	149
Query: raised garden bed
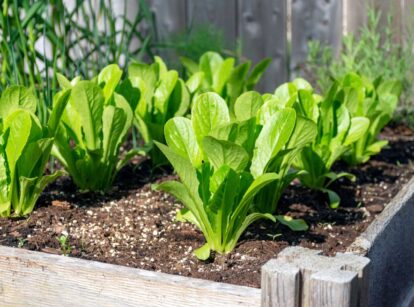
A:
134	226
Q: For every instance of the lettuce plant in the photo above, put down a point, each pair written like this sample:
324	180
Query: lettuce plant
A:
376	101
224	165
213	73
25	147
337	130
155	94
93	127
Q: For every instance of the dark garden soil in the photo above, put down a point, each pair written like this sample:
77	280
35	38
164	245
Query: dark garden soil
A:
134	226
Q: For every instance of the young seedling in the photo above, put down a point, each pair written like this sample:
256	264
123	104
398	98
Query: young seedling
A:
21	242
64	244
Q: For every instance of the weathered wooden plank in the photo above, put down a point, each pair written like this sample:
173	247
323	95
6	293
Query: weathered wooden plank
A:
407	8
386	8
334	288
314	20
354	15
30	278
219	13
263	33
280	284
170	16
170	19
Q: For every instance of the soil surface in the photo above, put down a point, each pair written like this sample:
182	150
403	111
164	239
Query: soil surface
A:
135	226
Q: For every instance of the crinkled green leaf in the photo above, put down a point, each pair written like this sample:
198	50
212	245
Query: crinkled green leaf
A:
247	105
274	135
203	253
209	112
88	101
180	137
109	77
17	97
293	224
358	127
221	153
195	81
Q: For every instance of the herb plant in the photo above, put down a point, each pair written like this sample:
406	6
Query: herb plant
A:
155	94
213	73
337	130
94	125
372	52
25	147
376	101
224	165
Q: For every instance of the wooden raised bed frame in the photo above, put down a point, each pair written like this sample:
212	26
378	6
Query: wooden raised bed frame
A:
298	277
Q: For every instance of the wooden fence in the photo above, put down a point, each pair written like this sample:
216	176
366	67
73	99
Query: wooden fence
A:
279	29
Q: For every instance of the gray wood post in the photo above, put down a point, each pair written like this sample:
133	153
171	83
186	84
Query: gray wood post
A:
280	284
341	280
334	289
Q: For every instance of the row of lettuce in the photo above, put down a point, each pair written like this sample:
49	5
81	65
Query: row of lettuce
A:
234	150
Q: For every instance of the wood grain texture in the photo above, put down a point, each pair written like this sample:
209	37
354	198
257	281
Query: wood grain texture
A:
354	15
30	278
312	261
280	284
219	13
263	33
170	19
334	289
394	9
314	20
407	18
170	16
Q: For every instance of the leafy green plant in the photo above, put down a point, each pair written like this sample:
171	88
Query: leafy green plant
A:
224	165
376	101
194	42
372	52
337	130
155	94
93	127
213	73
25	147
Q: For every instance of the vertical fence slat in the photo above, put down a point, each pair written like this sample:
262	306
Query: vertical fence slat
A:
407	17
280	284
170	19
219	13
387	7
170	16
262	31
318	19
354	15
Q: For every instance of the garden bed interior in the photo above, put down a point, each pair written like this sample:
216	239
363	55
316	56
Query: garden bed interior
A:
134	226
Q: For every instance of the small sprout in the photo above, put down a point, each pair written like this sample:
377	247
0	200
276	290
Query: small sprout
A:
64	244
273	236
21	242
